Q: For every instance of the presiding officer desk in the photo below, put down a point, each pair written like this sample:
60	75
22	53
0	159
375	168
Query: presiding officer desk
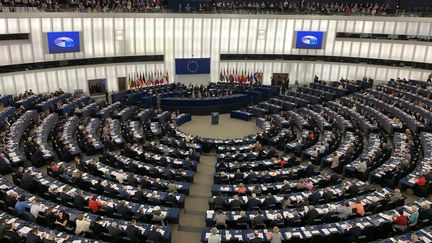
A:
206	105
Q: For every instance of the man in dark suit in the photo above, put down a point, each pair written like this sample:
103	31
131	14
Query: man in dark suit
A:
314	197
258	219
269	201
32	236
172	199
353	233
28	182
219	201
124	211
311	215
310	170
132	231
64	197
97	228
79	201
235	203
327	195
353	190
253	203
115	232
11	233
155	235
425	212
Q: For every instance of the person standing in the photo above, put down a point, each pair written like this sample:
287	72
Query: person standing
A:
214	237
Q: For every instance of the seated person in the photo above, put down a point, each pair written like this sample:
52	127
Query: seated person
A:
62	219
253	202
421	181
82	225
220	219
241	189
400	221
359	208
94	205
158	216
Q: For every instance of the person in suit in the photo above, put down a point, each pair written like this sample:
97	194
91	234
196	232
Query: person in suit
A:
353	233
314	197
124	211
79	201
425	212
258	219
219	201
269	201
115	232
242	219
11	233
132	231
28	183
155	235
310	170
97	228
353	190
171	199
311	215
235	203
327	195
253	203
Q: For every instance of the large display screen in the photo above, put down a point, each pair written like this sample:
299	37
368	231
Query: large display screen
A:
309	39
61	42
192	66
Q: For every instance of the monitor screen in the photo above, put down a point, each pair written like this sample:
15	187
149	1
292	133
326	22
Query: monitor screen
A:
309	39
61	42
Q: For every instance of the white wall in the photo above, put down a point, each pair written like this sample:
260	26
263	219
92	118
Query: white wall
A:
184	36
304	71
70	79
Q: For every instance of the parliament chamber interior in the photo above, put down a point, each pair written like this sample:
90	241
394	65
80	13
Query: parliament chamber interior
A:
168	121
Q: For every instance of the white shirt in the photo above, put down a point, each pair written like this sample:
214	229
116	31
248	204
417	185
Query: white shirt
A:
82	225
35	209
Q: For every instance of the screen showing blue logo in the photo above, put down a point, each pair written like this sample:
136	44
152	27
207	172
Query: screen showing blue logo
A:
61	42
309	39
192	65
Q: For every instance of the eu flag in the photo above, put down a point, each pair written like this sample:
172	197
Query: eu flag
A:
192	66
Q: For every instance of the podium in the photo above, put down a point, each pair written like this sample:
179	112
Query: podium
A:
215	118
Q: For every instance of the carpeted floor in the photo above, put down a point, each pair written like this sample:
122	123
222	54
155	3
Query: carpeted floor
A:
193	215
227	127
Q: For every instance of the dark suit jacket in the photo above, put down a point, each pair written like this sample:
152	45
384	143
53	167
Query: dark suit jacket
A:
310	216
115	233
79	202
235	204
253	202
156	237
269	201
124	211
425	214
314	198
132	232
219	201
259	219
32	238
353	233
98	229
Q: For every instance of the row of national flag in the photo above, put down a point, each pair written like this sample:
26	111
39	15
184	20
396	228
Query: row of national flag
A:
236	76
147	79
